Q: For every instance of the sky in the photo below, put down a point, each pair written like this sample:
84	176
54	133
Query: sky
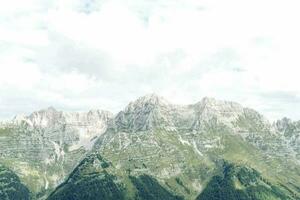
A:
77	55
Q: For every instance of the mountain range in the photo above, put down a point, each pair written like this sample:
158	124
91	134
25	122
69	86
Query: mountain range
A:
152	149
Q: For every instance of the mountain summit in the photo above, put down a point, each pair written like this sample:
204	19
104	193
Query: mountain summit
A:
47	144
154	112
145	113
153	149
212	149
152	99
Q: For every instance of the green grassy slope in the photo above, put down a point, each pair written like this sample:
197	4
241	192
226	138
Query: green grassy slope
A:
93	179
10	186
242	183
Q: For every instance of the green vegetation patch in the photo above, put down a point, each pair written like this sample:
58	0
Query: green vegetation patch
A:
10	186
149	188
251	186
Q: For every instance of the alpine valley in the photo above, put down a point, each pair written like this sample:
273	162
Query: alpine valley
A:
152	150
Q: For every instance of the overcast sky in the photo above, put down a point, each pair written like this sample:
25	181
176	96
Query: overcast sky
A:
78	55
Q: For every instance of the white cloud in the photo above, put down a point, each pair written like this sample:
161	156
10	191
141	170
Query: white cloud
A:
80	54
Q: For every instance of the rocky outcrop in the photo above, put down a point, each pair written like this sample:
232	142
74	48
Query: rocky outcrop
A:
46	145
290	131
173	147
166	141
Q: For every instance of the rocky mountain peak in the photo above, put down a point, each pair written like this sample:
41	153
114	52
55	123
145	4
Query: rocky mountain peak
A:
52	139
212	103
150	136
208	100
50	118
226	111
45	117
150	100
41	118
144	113
152	111
283	123
47	111
152	97
288	127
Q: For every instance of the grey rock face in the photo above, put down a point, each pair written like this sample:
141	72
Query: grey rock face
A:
150	136
154	112
44	147
290	131
181	145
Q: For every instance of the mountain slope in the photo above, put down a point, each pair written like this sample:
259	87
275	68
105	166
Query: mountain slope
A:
241	182
44	147
290	132
85	183
11	187
94	179
180	147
